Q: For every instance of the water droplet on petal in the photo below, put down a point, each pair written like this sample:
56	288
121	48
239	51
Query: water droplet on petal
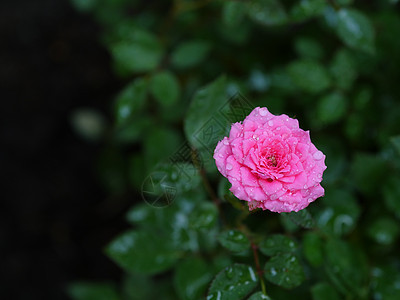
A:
278	128
305	186
229	167
226	142
318	155
310	200
270	123
263	112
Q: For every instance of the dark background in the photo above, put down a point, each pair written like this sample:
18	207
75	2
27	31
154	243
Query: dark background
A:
53	226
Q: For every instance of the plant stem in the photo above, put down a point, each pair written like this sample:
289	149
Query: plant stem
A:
260	272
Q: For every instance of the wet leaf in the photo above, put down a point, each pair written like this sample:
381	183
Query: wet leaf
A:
284	270
356	30
143	251
139	52
309	76
233	283
234	240
302	218
165	88
190	53
92	291
277	244
324	291
266	12
191	278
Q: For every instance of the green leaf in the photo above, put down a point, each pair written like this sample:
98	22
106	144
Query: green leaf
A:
276	244
347	267
160	138
341	213
92	291
233	13
308	48
190	53
356	30
284	270
385	281
343	69
233	283
331	108
307	9
165	88
384	231
259	296
396	143
143	251
191	278
302	218
139	52
312	248
138	287
309	76
266	12
130	100
132	130
84	5
324	291
368	171
204	217
234	240
391	194
203	128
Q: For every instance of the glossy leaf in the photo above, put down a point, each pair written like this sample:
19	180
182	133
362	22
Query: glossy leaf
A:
233	283
324	291
308	48
356	30
277	244
343	69
302	218
391	193
93	291
309	76
307	8
165	88
130	100
341	213
234	240
233	13
284	270
368	171
191	278
384	231
143	251
267	12
140	52
190	53
259	296
385	281
201	128
346	266
313	248
204	216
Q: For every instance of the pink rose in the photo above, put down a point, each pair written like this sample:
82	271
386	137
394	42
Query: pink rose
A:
271	162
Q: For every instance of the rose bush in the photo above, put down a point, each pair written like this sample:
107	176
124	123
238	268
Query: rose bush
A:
271	162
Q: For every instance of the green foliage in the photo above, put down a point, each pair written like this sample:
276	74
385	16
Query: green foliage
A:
234	240
188	70
92	291
284	270
276	244
234	282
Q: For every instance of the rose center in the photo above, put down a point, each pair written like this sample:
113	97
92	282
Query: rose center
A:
272	160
